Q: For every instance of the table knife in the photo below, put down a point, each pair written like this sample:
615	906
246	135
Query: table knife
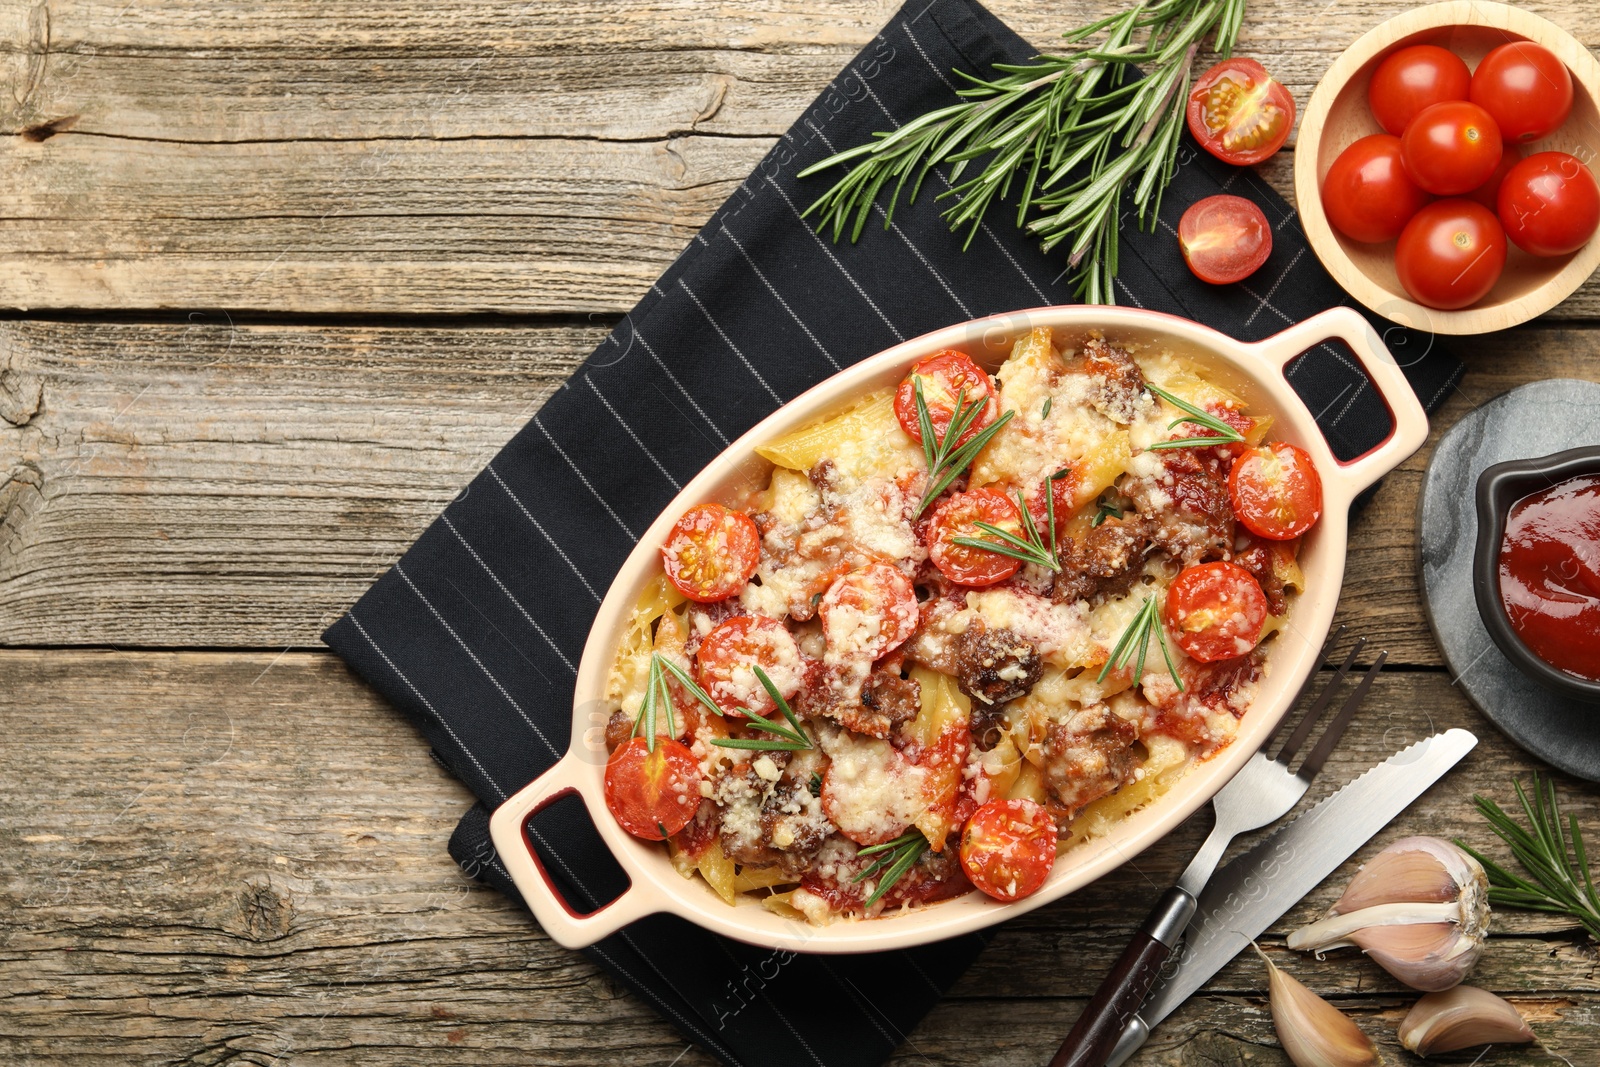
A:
1249	894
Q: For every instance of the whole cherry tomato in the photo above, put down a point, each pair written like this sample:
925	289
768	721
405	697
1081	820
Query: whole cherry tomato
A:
1216	611
711	553
724	664
1224	239
956	517
653	793
946	377
1367	194
1276	491
1488	194
1549	204
868	612
1238	112
1451	148
1412	79
1451	254
1009	847
1525	87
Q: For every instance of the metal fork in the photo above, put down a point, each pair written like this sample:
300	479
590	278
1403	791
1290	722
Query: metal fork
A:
1262	792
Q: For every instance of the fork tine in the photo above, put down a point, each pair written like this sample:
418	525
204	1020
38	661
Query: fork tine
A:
1306	686
1330	737
1302	729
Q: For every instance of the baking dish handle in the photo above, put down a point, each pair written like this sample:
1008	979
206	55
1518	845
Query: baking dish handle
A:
1351	478
565	925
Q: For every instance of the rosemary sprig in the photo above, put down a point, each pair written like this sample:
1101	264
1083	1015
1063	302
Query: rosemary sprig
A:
790	738
1136	638
1224	434
1546	854
1030	549
945	459
1073	131
656	697
895	858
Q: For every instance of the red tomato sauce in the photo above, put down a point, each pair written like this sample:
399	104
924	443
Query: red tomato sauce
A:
1550	574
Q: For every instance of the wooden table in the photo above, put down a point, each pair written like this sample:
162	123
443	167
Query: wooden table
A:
288	274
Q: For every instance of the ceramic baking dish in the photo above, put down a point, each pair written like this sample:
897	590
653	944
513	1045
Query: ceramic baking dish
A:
1253	371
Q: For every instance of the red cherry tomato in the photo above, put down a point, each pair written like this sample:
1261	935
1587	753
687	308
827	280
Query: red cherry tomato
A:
1238	112
653	794
1216	611
1525	87
1224	239
1451	254
956	518
1549	204
1412	79
1367	194
1451	148
726	656
945	376
1009	847
1488	194
1276	491
711	553
868	612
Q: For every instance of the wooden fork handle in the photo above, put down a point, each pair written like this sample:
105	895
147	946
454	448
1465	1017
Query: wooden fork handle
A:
1125	988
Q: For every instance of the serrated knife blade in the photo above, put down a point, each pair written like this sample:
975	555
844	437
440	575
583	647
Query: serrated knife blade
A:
1249	894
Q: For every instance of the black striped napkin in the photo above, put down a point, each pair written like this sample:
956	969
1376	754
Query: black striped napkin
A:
476	632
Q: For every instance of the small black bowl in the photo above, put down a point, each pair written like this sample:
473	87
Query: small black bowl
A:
1499	487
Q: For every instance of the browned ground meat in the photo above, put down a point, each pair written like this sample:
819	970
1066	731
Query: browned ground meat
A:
1257	559
1118	382
1197	525
994	666
871	702
1105	563
988	726
790	828
1089	756
931	645
618	729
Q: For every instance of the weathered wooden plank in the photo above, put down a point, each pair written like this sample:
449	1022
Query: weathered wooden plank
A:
195	483
201	865
459	160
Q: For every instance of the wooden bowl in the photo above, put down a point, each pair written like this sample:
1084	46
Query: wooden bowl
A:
1337	115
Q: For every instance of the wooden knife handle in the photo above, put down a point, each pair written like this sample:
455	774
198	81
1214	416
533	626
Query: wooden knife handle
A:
1124	990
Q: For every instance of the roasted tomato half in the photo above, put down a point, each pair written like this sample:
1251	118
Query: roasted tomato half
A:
1216	611
946	377
728	656
1238	112
957	517
1009	847
653	792
1276	491
711	552
868	612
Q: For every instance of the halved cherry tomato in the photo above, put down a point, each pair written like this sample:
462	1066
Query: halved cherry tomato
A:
1367	194
1216	611
1238	112
727	655
1525	87
1009	847
1276	491
1451	253
1412	79
868	612
1488	194
1549	204
711	552
1224	239
653	794
956	517
1451	148
945	376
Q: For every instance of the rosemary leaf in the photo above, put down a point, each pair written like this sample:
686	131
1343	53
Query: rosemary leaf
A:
1225	434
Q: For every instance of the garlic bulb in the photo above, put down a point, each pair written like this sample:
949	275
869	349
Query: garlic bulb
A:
1463	1017
1314	1033
1420	909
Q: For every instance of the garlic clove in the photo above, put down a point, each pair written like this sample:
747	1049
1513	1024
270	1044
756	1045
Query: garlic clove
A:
1314	1033
1420	908
1463	1017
